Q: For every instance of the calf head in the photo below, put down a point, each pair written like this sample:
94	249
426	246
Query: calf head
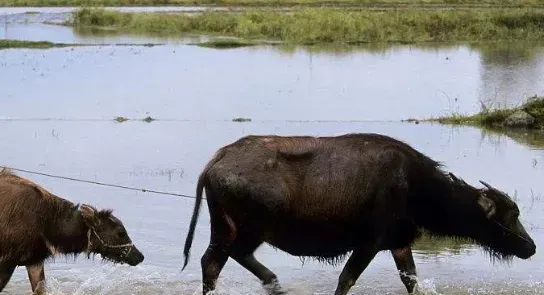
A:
496	223
108	237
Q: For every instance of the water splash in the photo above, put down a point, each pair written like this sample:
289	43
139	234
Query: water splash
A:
426	287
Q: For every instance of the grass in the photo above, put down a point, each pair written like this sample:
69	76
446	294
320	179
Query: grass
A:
225	44
479	3
7	43
496	118
329	25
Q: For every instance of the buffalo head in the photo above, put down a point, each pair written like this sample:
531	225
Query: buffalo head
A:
108	237
496	224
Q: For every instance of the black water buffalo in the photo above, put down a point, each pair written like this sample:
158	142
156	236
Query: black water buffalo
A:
36	225
324	197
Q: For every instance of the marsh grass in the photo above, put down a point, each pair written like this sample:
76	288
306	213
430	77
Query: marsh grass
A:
7	43
330	25
225	44
275	3
495	118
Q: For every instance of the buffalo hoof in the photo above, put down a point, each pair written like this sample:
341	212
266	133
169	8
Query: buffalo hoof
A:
274	288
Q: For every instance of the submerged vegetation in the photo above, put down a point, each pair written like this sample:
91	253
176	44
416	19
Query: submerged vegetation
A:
241	120
121	119
503	3
327	25
529	115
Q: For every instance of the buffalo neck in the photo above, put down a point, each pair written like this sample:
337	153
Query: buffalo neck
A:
66	231
442	212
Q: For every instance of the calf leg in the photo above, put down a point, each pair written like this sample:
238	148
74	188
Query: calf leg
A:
36	275
223	233
5	275
242	252
406	267
357	263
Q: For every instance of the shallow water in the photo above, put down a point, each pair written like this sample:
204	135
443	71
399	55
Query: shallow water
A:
194	83
169	155
57	106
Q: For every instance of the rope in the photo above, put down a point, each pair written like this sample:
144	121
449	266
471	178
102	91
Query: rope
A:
100	183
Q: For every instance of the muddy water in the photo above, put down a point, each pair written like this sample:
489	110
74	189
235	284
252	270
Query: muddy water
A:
57	106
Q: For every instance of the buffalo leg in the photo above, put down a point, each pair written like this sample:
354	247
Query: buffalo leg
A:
242	252
5	275
36	275
406	267
223	234
357	263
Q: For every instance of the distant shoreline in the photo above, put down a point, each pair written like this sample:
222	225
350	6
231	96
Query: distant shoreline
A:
282	3
329	25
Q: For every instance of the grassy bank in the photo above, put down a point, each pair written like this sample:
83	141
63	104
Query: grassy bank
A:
479	3
325	25
4	44
498	118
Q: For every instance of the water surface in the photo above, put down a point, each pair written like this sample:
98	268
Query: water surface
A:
169	155
263	83
56	116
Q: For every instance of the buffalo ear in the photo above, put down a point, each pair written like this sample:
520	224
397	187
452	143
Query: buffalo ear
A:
89	214
487	205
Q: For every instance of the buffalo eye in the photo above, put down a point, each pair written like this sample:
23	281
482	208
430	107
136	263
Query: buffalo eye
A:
122	234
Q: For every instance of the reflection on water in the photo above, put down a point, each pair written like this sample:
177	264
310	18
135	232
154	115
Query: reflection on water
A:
261	83
511	72
64	34
531	138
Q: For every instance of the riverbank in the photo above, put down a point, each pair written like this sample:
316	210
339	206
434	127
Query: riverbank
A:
5	44
530	115
276	3
329	25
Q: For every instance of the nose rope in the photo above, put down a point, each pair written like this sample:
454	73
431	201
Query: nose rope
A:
510	231
127	247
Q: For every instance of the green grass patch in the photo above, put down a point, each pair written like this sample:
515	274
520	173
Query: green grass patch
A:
7	43
225	44
330	25
391	3
497	118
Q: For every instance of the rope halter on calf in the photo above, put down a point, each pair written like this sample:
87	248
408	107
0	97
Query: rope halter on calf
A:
126	248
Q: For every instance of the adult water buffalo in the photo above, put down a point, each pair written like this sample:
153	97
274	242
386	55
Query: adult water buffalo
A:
36	225
323	197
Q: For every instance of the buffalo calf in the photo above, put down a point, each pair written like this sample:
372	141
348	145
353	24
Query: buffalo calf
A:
324	197
36	225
